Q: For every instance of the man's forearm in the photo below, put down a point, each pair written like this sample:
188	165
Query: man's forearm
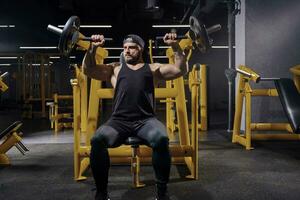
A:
89	58
179	58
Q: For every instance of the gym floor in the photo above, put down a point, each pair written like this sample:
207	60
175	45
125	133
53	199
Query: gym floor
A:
226	170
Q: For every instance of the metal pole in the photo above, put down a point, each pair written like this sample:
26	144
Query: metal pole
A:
231	83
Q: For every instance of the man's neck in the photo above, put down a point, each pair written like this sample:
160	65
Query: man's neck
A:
136	65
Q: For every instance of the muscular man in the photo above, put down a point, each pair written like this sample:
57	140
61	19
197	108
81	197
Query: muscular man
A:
133	112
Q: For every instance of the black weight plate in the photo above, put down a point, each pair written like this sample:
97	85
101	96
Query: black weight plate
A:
199	34
67	41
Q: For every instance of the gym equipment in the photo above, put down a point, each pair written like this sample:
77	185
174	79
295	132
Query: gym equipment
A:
202	76
69	35
135	143
289	98
3	86
198	35
37	84
11	136
296	76
60	116
170	108
195	37
186	152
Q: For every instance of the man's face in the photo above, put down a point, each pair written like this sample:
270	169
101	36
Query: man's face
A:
132	52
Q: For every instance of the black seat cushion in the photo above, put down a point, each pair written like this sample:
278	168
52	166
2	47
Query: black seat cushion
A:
290	100
13	127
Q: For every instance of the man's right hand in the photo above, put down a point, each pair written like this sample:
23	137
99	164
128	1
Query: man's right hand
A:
97	41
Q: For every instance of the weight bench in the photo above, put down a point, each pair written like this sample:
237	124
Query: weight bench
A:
290	100
12	138
135	142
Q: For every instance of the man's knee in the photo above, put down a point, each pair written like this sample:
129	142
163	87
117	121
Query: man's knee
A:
106	136
98	140
161	142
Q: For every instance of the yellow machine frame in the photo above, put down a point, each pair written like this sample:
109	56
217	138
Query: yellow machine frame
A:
296	75
10	141
11	138
3	86
30	84
54	114
245	92
185	153
170	107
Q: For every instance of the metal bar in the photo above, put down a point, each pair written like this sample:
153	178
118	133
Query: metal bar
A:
269	79
23	146
231	84
20	149
54	29
213	28
243	72
5	74
90	39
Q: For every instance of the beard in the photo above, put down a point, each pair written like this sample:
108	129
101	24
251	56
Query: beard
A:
133	60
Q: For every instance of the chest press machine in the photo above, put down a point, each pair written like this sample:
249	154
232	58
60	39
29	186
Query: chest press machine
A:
86	113
134	151
289	98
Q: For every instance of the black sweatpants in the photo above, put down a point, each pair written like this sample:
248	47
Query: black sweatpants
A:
113	134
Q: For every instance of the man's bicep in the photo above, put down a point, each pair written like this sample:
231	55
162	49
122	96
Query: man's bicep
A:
166	71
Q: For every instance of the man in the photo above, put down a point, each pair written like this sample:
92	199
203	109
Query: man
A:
133	112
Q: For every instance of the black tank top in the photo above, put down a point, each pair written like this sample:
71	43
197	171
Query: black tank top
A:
134	94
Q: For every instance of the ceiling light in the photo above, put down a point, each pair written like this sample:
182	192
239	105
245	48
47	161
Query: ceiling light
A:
7	26
220	47
38	47
37	64
90	26
8	57
171	26
58	57
5	64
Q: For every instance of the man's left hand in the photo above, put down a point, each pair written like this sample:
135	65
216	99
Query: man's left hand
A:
170	39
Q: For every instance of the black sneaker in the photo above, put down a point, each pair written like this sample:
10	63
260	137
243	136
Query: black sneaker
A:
100	196
164	197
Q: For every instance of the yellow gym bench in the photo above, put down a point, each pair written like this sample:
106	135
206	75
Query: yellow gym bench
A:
11	137
289	98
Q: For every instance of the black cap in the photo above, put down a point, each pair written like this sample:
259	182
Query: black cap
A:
135	39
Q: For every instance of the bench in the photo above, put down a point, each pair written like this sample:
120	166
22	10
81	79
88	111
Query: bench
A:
135	142
290	100
11	138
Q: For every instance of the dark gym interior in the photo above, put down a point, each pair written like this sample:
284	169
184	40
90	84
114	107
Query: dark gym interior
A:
245	120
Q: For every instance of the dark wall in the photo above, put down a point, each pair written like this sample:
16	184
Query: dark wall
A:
271	40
